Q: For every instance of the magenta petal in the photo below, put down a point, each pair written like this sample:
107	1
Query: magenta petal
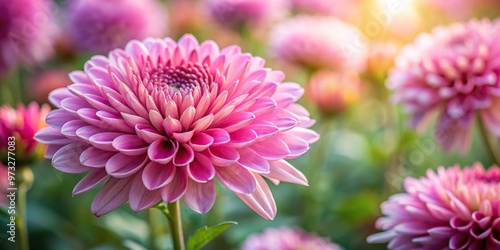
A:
237	179
220	135
91	180
121	165
261	200
157	175
162	151
201	169
284	171
67	159
252	161
112	195
130	145
223	156
201	141
140	197
200	196
184	155
242	138
95	158
176	188
279	149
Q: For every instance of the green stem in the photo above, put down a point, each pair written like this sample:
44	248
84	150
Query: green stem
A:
173	214
25	180
316	170
491	142
153	229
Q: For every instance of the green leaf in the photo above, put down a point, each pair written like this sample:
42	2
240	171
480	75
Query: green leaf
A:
206	234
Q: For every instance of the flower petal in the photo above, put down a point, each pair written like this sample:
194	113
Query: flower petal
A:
237	179
261	200
92	179
162	151
112	195
121	165
157	175
140	197
200	196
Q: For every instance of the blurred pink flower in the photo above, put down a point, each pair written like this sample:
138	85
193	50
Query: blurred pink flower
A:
331	44
22	123
344	9
381	59
287	239
450	209
43	83
161	120
100	26
27	30
333	92
453	70
237	13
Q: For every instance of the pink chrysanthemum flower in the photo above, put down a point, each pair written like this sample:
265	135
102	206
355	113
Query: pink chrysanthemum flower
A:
344	9
454	71
162	120
287	239
27	30
331	44
100	26
238	13
450	209
22	123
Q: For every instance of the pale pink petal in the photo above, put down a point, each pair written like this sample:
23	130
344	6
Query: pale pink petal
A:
200	196
237	179
261	200
112	195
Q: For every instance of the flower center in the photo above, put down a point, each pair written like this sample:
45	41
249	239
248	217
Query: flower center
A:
184	78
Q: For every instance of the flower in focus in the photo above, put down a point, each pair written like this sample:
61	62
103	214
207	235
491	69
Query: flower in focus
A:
22	123
453	70
343	9
46	81
332	44
238	13
287	239
161	120
100	26
334	92
27	29
450	209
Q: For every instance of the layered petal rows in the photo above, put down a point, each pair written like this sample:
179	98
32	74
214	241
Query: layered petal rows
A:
450	209
454	70
161	120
